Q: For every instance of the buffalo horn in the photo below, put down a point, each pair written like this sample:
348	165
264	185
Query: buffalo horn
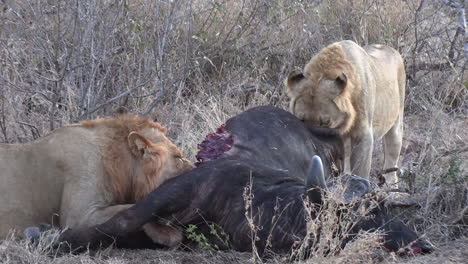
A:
315	180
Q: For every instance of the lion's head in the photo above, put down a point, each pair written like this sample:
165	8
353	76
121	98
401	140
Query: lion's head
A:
322	94
137	156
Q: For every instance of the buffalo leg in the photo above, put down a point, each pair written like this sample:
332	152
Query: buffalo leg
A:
159	234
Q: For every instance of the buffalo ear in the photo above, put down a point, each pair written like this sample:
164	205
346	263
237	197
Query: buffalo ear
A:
138	144
400	200
294	78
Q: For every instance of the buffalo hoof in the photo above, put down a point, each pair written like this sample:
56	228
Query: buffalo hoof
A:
44	235
32	233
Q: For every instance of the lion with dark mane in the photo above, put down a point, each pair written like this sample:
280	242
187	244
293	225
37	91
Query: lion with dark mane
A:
360	92
82	174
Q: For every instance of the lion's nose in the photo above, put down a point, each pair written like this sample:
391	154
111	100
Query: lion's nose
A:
324	121
300	116
188	164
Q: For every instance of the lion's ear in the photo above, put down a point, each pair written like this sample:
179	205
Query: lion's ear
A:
342	80
138	144
294	78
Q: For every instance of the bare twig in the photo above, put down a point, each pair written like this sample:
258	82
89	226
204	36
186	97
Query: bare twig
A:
34	131
113	99
3	125
462	9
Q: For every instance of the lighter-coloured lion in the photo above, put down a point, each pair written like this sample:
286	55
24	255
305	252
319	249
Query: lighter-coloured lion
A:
82	174
359	91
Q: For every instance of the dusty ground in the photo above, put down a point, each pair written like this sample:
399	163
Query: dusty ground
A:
449	252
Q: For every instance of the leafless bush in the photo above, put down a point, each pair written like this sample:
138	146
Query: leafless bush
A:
65	61
367	21
328	232
435	59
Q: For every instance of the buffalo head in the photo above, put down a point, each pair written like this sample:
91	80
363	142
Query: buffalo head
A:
366	204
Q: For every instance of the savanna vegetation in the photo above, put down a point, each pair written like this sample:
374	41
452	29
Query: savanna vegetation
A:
192	64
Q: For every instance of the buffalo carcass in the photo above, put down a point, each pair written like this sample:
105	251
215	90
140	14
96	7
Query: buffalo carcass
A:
265	154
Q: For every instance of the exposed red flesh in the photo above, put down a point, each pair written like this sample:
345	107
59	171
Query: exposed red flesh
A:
416	251
214	145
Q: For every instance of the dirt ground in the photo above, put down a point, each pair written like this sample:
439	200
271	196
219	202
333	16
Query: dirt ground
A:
450	252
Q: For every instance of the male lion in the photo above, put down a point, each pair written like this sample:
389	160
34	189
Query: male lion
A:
84	173
359	91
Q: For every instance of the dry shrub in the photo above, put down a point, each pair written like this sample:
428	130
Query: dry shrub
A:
367	21
64	61
13	250
329	230
437	175
329	235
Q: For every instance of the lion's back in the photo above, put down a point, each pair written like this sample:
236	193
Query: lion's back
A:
382	80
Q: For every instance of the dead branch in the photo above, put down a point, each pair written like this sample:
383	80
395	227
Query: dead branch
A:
462	219
34	131
113	99
461	8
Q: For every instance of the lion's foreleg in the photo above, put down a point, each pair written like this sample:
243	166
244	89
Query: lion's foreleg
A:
361	155
347	155
392	142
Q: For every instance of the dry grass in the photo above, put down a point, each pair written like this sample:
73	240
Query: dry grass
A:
193	64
